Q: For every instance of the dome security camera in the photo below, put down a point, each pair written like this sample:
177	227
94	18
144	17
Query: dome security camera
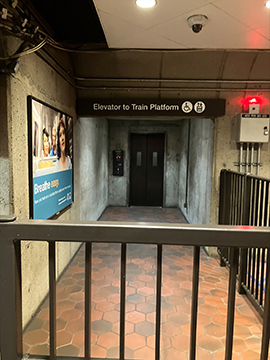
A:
197	22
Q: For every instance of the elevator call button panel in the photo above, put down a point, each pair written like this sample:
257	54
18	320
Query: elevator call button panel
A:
118	163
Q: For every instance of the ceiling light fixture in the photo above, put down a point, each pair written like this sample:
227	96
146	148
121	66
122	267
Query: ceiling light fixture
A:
268	4
146	3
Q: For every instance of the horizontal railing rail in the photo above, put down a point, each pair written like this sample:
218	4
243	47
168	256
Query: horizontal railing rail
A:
245	200
12	233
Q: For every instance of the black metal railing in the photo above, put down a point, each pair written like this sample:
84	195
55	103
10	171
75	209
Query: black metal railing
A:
245	200
13	232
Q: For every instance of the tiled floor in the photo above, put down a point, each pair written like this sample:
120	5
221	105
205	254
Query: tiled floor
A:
140	303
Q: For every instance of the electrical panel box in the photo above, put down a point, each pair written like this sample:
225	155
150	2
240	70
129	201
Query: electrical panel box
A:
253	128
118	163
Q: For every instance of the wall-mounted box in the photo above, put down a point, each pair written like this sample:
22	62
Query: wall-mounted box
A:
252	128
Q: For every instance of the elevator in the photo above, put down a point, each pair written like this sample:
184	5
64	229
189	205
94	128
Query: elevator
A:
146	169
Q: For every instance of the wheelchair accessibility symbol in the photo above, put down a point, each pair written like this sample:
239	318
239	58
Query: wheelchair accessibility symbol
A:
187	107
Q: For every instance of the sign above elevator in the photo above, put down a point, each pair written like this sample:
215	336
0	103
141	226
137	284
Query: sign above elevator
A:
151	107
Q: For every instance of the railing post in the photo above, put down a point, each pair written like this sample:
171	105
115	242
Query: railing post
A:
244	221
266	318
222	204
10	294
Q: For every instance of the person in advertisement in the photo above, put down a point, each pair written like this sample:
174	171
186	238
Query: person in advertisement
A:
45	143
63	162
53	149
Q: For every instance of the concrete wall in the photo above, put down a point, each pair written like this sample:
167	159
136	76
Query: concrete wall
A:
91	138
4	158
196	169
119	131
38	79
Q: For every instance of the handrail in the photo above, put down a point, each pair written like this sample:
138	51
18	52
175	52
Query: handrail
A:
12	233
136	233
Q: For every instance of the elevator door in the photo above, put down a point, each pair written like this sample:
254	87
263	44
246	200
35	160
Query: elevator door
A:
146	169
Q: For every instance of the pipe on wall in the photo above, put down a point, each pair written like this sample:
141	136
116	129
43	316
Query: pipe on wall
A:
252	158
241	158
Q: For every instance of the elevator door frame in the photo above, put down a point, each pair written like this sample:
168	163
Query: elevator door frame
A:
164	161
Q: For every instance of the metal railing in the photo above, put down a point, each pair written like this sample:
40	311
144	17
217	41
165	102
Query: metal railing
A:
245	200
13	232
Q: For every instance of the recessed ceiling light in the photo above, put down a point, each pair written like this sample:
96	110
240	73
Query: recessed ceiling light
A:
146	3
268	4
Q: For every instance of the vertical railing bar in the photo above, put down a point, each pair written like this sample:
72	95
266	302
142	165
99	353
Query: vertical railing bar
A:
235	199
262	276
234	253
88	300
249	266
254	202
259	203
251	202
231	200
243	189
263	204
258	273
158	301
239	200
123	300
254	250
266	315
268	206
194	308
52	299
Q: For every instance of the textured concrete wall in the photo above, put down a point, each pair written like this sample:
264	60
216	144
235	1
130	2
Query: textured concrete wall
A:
4	158
91	137
35	78
199	173
119	140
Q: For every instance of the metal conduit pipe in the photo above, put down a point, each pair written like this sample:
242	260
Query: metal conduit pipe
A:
247	157
241	158
167	88
212	81
252	158
259	158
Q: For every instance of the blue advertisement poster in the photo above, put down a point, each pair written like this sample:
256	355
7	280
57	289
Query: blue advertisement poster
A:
51	162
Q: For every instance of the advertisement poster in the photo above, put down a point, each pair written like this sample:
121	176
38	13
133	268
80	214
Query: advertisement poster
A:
50	159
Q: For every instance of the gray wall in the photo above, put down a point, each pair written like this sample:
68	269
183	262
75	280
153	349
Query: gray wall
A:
119	131
91	155
199	175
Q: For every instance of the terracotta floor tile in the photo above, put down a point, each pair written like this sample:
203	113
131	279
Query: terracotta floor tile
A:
172	354
135	317
165	342
135	341
204	355
250	355
209	343
109	340
72	314
75	326
36	337
98	351
217	331
112	316
40	350
144	353
63	338
181	342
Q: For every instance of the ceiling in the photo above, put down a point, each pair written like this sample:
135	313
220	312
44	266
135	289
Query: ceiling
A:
232	24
